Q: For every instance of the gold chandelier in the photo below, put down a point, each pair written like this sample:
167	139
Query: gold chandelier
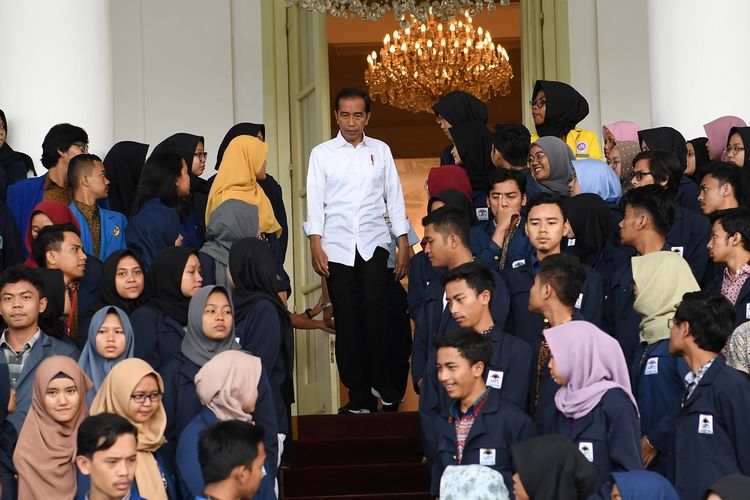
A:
420	64
371	10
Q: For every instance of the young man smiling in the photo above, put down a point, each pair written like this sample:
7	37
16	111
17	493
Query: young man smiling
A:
478	427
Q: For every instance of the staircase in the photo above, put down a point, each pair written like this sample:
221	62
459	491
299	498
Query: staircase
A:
357	457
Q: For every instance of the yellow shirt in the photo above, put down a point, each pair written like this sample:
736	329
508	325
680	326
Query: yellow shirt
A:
584	143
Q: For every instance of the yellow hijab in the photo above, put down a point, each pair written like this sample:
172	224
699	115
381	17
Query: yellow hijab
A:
662	279
237	180
114	397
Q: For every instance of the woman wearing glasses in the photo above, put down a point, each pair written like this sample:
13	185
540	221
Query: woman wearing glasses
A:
551	163
134	390
557	108
735	149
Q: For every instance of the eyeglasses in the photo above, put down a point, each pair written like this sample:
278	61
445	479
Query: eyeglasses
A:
672	322
538	103
733	150
202	155
537	158
82	146
141	397
639	175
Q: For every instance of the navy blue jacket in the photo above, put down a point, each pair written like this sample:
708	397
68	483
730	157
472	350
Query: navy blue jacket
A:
11	249
619	319
158	337
687	195
490	253
43	348
611	257
421	274
608	436
689	235
656	378
525	324
89	293
166	466
189	473
711	431
180	400
436	319
742	306
508	373
192	231
498	426
260	332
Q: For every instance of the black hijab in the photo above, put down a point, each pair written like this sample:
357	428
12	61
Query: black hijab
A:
665	139
8	156
701	157
565	108
163	283
591	221
50	321
253	270
110	297
474	144
244	128
459	107
732	487
123	165
184	145
456	199
551	468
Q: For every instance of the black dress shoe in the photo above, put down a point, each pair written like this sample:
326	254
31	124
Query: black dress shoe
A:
352	409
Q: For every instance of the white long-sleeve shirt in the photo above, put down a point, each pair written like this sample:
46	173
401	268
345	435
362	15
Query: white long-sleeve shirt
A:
347	189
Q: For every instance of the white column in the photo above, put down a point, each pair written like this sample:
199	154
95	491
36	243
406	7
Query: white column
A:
695	52
57	67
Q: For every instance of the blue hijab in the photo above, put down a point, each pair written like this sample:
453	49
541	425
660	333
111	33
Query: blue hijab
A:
91	362
151	230
644	485
595	176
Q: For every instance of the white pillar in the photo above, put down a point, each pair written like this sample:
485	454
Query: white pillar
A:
56	67
695	51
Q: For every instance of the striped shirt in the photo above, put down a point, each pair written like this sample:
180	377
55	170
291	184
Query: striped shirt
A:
16	360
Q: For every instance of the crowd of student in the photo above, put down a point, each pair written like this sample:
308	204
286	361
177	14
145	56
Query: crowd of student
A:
601	305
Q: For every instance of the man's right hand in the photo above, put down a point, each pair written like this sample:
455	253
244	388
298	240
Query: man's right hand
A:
319	257
507	219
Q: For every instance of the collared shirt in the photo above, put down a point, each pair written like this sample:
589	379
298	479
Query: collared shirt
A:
56	193
16	360
732	284
693	379
349	191
464	421
91	215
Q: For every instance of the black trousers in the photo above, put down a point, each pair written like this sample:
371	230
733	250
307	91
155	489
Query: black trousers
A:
400	329
359	295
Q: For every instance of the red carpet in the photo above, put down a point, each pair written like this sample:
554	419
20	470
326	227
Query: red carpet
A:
348	457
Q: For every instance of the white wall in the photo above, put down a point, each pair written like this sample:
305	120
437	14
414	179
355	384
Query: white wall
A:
609	60
185	66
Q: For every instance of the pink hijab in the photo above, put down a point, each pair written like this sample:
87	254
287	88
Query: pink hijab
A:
717	132
622	131
592	363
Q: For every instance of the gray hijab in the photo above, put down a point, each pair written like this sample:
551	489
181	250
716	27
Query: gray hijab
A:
195	345
560	166
231	221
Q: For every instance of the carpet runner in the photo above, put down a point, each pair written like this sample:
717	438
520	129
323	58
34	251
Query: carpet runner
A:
357	457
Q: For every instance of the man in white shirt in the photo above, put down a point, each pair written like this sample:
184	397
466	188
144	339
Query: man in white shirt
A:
352	187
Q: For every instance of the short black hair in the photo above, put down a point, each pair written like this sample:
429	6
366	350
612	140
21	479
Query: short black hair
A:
547	199
663	165
565	274
50	238
79	166
448	220
476	275
735	220
503	175
710	316
656	202
513	140
725	173
227	445
18	273
100	432
60	138
469	344
351	92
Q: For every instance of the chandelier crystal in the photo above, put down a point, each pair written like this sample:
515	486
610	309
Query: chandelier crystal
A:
421	63
371	10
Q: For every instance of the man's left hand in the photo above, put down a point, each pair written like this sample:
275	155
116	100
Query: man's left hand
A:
403	258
